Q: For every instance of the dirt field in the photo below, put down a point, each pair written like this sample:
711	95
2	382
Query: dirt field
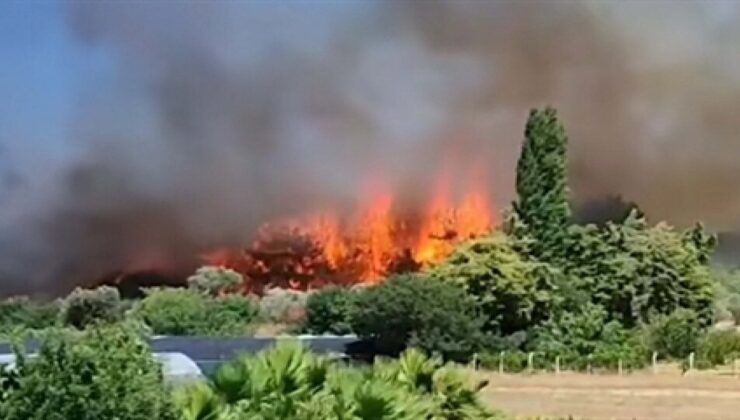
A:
641	396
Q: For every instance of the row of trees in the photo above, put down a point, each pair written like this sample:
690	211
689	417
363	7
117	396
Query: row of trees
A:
541	283
544	283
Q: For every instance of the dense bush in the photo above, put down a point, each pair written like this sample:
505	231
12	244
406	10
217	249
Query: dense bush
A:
289	383
728	294
329	310
283	305
587	336
84	307
718	348
103	373
214	280
171	311
636	272
417	311
513	292
675	335
21	313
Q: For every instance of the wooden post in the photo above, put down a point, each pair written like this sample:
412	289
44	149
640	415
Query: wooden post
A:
475	361
501	362
588	365
691	361
530	362
557	365
655	362
619	367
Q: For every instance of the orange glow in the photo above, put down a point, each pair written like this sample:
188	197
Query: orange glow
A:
323	248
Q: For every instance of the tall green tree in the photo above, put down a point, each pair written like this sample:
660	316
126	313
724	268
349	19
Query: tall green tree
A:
541	182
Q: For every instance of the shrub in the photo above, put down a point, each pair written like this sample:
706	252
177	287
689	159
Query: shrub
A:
104	373
22	313
586	336
283	305
84	307
231	315
288	382
514	292
675	335
513	361
171	311
416	311
719	347
329	310
213	280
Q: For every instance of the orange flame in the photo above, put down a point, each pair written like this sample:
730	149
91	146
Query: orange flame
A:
318	249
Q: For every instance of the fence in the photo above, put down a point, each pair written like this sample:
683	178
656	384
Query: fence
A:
533	362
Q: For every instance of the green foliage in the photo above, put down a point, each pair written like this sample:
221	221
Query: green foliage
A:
103	373
21	313
214	280
718	347
675	335
417	311
541	182
513	292
636	272
230	315
171	311
329	310
727	303
283	305
288	382
587	335
514	361
84	307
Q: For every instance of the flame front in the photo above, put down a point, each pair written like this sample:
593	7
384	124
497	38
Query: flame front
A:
324	248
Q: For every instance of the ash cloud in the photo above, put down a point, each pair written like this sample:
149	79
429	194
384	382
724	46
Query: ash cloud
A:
218	116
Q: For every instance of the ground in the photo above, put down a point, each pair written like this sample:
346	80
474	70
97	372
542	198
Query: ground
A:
640	396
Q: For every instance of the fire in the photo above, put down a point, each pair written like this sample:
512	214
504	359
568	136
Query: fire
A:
378	240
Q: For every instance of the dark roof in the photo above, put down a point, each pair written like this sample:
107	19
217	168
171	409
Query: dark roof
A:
221	348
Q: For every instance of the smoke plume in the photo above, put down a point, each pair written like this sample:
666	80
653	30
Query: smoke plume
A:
216	116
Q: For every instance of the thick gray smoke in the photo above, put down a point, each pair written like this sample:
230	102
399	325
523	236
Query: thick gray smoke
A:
221	115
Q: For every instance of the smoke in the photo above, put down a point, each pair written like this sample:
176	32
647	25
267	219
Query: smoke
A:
216	116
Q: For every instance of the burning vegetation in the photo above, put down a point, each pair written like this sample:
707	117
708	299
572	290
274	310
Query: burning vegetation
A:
378	238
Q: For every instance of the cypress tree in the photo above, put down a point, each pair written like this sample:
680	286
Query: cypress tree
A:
541	183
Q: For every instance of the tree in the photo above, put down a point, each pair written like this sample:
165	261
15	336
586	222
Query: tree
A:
541	181
329	310
106	372
84	307
635	271
514	292
418	311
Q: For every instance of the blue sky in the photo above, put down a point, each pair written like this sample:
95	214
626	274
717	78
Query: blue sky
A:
43	68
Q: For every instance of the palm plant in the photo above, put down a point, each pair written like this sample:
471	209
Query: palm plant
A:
289	382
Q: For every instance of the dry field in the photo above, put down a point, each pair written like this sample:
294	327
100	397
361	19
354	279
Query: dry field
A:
642	396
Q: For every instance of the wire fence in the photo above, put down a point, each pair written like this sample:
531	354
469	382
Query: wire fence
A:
533	362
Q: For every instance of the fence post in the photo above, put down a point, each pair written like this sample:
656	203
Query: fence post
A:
557	365
691	361
589	370
619	367
475	361
501	363
530	362
655	362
